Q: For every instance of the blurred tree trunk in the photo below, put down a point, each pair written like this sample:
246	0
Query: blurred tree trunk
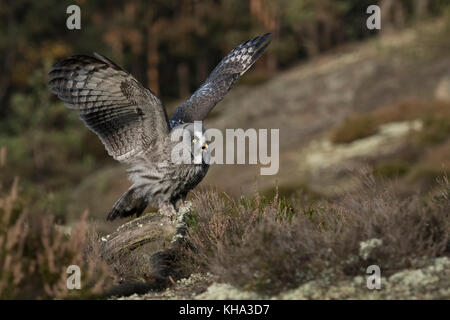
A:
393	15
183	79
152	56
8	57
272	60
202	67
311	41
421	8
271	22
5	79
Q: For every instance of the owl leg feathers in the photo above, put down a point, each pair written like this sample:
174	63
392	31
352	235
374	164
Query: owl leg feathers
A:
180	201
131	202
167	209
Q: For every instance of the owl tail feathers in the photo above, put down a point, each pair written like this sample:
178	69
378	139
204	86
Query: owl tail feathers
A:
129	203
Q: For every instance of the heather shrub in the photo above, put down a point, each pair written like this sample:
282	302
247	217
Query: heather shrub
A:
269	246
35	254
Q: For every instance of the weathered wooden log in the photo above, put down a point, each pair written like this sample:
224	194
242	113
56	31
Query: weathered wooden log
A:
143	249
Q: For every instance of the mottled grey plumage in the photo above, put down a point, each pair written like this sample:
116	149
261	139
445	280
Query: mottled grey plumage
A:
132	122
221	80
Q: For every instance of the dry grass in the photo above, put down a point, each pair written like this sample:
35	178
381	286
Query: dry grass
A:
269	246
35	254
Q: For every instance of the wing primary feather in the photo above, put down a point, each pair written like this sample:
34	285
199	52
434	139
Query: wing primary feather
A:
220	81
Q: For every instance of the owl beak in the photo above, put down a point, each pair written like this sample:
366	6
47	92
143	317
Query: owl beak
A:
204	147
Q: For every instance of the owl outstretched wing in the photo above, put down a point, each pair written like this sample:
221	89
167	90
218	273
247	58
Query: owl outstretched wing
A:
220	81
128	118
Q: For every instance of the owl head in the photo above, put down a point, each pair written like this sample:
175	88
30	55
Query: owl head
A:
192	142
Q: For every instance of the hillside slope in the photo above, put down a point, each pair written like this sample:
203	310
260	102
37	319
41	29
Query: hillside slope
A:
308	100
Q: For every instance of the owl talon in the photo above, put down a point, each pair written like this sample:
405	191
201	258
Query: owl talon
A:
168	211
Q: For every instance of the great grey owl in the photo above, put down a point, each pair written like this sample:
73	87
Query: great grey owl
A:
133	125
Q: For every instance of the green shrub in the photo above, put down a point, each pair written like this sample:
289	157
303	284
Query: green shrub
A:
391	169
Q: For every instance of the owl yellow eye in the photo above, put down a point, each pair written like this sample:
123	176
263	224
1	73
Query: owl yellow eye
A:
194	140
